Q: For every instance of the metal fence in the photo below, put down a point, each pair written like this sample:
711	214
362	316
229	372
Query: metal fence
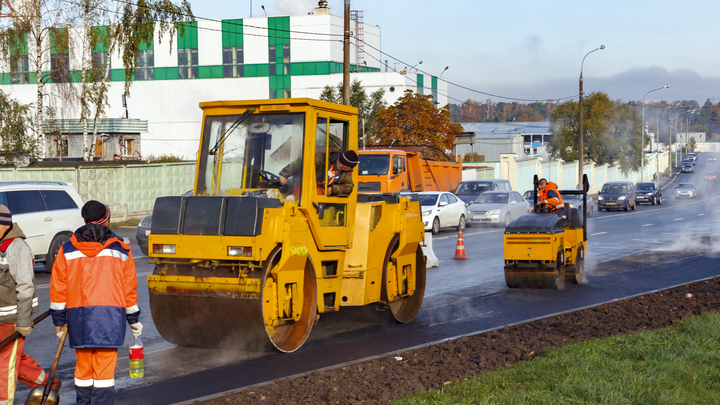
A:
129	190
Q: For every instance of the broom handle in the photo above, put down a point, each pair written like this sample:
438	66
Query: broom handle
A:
16	335
55	362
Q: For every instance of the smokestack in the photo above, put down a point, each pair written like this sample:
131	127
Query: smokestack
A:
322	8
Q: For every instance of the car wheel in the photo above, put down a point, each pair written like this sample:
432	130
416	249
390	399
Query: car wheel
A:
659	200
436	226
54	248
508	219
590	212
627	206
654	201
461	223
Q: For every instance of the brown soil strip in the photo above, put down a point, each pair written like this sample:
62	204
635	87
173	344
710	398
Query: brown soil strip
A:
384	379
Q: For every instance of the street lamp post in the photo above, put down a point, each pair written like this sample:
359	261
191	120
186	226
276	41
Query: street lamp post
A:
581	150
642	133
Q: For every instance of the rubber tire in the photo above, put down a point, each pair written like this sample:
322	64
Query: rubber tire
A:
53	250
403	310
435	226
654	201
659	200
461	223
627	207
508	219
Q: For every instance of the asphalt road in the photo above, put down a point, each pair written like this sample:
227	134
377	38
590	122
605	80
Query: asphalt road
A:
628	253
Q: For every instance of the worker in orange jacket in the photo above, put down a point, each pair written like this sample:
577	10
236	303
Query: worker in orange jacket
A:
92	291
550	198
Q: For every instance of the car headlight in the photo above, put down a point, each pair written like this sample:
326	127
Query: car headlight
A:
572	205
494	212
600	198
622	197
425	213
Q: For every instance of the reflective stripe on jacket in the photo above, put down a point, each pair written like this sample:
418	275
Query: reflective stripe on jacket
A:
93	291
550	196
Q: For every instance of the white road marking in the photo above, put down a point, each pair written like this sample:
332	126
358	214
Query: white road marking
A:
648	225
599	233
678	219
700	215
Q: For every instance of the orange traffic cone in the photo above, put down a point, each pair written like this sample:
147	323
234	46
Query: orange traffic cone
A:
460	249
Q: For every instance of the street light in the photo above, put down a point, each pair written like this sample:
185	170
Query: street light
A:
642	133
580	120
678	120
446	68
419	63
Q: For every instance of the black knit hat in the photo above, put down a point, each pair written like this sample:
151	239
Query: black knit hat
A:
95	212
349	158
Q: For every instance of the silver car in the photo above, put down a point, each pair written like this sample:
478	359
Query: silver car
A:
686	190
497	207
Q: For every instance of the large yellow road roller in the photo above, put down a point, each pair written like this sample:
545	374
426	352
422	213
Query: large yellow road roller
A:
545	250
260	249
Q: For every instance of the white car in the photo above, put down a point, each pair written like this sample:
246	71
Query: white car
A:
441	209
48	212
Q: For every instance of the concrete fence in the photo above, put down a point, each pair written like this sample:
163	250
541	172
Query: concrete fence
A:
129	190
565	174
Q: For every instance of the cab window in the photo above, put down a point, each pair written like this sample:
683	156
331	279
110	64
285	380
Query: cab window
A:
320	156
398	165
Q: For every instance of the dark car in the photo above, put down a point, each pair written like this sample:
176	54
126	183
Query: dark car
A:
617	195
688	168
648	192
143	230
469	190
573	199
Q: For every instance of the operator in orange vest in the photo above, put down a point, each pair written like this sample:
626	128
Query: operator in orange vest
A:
92	291
549	197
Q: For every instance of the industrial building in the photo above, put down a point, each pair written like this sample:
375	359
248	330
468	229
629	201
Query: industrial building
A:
234	59
491	139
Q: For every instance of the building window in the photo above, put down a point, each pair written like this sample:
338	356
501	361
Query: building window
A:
129	145
273	93
233	61
99	64
20	69
188	63
59	63
272	60
145	66
286	93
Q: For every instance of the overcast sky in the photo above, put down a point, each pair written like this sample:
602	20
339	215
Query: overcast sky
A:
533	49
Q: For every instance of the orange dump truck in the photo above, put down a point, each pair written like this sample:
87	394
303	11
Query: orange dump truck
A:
395	170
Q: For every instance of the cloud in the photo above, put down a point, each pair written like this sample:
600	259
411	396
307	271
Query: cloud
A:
532	44
294	7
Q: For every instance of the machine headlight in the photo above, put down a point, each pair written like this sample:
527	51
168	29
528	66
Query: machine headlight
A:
622	197
426	213
164	249
493	212
600	198
239	251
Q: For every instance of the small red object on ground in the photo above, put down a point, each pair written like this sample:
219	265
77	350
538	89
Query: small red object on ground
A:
460	249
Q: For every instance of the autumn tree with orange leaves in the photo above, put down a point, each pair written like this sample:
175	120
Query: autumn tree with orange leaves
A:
415	121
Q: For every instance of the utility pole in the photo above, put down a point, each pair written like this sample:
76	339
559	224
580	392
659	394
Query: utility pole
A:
346	56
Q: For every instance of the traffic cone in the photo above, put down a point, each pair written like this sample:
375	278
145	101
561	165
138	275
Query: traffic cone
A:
460	249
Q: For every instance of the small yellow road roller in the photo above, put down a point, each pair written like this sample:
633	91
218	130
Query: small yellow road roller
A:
546	250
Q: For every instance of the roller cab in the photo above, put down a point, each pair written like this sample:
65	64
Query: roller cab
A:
260	249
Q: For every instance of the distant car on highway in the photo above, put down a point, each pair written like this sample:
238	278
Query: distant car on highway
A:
573	199
712	159
710	176
617	195
688	168
686	190
441	210
497	207
648	192
469	190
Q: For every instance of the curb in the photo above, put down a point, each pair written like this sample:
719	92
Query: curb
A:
669	182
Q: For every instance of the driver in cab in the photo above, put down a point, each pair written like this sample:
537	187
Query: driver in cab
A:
549	198
339	176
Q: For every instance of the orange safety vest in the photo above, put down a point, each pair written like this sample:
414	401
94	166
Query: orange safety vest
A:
555	201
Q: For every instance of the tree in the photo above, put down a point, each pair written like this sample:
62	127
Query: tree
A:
693	143
415	121
473	157
368	106
610	132
15	123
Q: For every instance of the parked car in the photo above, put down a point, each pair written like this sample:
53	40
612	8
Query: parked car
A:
687	190
617	195
528	196
469	190
710	176
48	213
441	210
648	192
573	199
143	230
497	207
688	168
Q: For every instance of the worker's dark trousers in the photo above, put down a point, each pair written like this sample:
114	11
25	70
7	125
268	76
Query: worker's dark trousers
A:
94	395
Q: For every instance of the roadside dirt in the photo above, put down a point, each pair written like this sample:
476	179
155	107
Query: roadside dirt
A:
382	380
